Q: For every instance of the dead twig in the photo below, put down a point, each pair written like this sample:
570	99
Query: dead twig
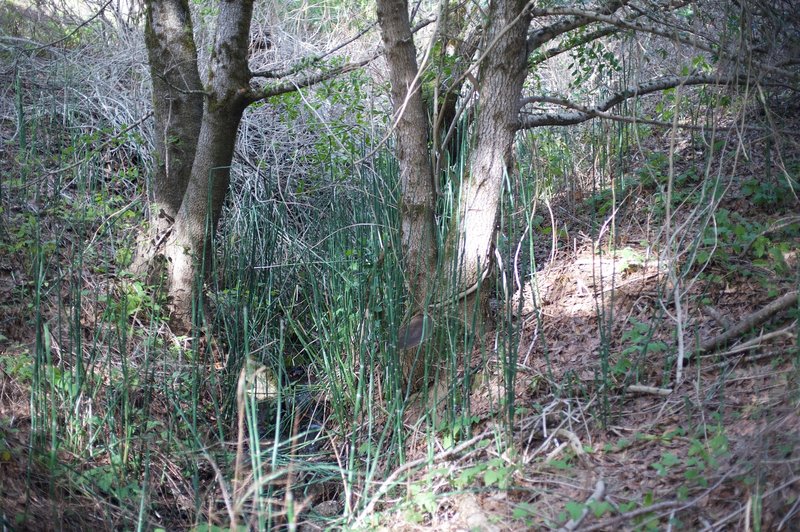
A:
652	390
753	320
598	495
788	331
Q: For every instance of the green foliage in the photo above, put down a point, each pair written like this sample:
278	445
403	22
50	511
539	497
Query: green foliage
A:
496	472
668	460
110	480
18	365
590	60
770	194
134	298
638	342
457	430
733	236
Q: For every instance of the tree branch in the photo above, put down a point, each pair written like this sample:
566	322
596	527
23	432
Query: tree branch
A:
292	85
538	37
681	35
310	61
582	113
571	44
749	322
285	87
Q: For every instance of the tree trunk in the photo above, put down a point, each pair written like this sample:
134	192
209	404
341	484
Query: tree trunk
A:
502	74
195	223
192	199
417	197
177	111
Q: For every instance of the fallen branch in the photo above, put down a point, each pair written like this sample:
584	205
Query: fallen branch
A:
748	358
789	331
639	388
598	495
753	320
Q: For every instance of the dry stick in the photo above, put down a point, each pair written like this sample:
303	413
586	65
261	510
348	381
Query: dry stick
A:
598	495
789	331
387	484
754	319
639	388
747	358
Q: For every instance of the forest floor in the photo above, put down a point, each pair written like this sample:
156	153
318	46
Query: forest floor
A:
604	439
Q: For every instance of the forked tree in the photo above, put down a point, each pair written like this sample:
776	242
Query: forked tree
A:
196	126
515	38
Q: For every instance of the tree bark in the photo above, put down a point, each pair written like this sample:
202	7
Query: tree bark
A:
177	111
417	197
227	92
501	76
196	130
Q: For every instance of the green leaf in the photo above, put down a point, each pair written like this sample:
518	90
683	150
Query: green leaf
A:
493	476
426	501
599	508
575	509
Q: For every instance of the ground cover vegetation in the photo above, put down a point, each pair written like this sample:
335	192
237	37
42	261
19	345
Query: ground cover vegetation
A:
441	265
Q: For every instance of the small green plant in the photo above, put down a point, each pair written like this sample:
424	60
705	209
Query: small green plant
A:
769	193
704	455
18	366
667	462
495	472
639	342
733	236
134	297
574	510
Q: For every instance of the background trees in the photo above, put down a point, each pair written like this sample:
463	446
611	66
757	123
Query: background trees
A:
629	169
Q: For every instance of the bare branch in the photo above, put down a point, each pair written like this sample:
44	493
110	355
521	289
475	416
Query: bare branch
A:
582	113
682	35
312	79
310	61
542	35
292	85
571	44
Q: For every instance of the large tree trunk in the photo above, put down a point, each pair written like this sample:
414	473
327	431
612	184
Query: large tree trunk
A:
417	196
177	111
197	146
189	246
502	74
